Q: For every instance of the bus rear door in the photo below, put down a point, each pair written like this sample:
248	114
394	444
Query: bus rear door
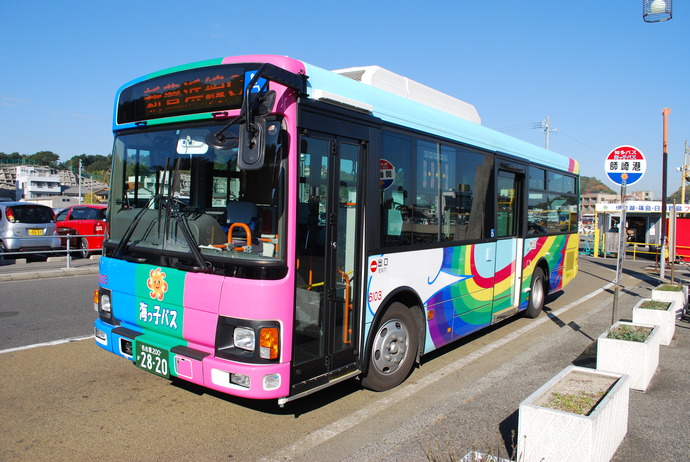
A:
510	180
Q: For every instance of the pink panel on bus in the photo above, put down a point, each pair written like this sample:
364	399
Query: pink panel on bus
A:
288	64
246	298
200	329
202	291
201	295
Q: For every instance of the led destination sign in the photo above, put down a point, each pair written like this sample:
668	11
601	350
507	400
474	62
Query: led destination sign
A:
187	92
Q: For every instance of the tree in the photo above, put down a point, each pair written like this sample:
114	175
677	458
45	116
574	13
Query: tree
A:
591	185
14	157
48	158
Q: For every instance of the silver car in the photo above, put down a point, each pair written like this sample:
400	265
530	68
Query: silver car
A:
27	227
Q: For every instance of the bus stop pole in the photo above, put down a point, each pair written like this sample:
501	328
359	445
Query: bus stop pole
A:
622	239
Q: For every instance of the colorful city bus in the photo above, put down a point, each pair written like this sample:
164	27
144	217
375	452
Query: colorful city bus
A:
276	228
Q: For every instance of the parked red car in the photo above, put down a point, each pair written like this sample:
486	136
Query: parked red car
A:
86	223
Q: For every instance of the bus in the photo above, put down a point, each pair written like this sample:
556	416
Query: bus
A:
275	228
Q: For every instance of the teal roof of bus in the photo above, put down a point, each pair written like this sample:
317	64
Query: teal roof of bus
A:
402	111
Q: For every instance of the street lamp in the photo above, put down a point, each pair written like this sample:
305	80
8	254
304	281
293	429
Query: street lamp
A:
657	10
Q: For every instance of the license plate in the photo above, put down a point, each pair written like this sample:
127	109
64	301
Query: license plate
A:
35	232
152	359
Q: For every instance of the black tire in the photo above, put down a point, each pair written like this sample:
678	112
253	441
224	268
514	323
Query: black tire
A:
393	350
537	294
83	246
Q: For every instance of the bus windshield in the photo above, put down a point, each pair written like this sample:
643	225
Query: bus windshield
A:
174	194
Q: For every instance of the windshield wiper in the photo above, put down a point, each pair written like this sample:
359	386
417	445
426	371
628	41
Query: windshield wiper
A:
169	211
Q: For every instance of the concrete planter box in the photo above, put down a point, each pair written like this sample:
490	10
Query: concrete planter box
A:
546	434
665	319
637	359
680	296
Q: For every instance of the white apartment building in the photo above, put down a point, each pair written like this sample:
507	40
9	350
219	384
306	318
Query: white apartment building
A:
34	182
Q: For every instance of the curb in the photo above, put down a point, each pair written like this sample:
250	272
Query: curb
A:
54	273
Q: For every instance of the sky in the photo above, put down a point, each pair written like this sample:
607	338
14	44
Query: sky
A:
595	68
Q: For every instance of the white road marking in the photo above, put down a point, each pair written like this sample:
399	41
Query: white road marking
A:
53	343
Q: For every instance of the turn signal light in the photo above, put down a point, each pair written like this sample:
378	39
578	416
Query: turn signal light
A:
269	343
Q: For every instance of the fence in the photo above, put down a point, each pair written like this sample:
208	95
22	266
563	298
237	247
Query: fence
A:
595	245
65	249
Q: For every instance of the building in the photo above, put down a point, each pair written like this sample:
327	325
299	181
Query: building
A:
643	195
46	185
588	202
35	182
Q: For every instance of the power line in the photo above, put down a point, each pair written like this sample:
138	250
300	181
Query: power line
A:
583	144
525	126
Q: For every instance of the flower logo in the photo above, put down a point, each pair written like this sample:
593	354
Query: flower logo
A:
156	283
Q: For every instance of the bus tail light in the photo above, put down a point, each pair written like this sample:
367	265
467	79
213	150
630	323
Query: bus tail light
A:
269	343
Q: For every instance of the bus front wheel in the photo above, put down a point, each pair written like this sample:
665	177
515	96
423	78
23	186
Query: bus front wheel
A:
393	350
537	294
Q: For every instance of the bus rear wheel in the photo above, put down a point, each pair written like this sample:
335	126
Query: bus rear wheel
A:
537	294
393	350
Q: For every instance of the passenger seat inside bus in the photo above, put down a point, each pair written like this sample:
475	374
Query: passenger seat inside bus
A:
242	212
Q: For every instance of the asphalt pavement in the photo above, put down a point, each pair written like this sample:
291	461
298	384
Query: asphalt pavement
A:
484	416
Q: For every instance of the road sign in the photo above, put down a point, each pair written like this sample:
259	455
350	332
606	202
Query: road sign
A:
625	164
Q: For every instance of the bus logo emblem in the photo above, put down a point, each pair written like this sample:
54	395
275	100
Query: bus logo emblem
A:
156	283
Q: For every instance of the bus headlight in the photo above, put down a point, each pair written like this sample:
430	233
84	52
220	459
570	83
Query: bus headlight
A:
105	303
244	338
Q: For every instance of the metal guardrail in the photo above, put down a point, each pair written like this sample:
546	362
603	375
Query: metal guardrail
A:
67	250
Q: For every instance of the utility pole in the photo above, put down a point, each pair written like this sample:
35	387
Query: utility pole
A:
546	126
684	174
664	166
79	181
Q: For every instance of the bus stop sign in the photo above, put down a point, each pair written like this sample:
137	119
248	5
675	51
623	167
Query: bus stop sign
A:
625	164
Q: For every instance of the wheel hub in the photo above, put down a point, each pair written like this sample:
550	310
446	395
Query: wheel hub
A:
390	346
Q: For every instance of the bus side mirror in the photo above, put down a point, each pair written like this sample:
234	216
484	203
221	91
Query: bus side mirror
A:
261	104
252	144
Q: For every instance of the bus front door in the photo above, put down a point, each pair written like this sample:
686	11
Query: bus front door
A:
328	233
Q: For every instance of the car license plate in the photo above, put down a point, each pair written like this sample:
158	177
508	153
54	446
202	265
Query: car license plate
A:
35	232
152	359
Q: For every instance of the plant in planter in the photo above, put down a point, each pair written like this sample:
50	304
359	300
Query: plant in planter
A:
630	348
673	292
579	415
657	312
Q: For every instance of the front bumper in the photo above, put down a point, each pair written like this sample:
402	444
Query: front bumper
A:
265	381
